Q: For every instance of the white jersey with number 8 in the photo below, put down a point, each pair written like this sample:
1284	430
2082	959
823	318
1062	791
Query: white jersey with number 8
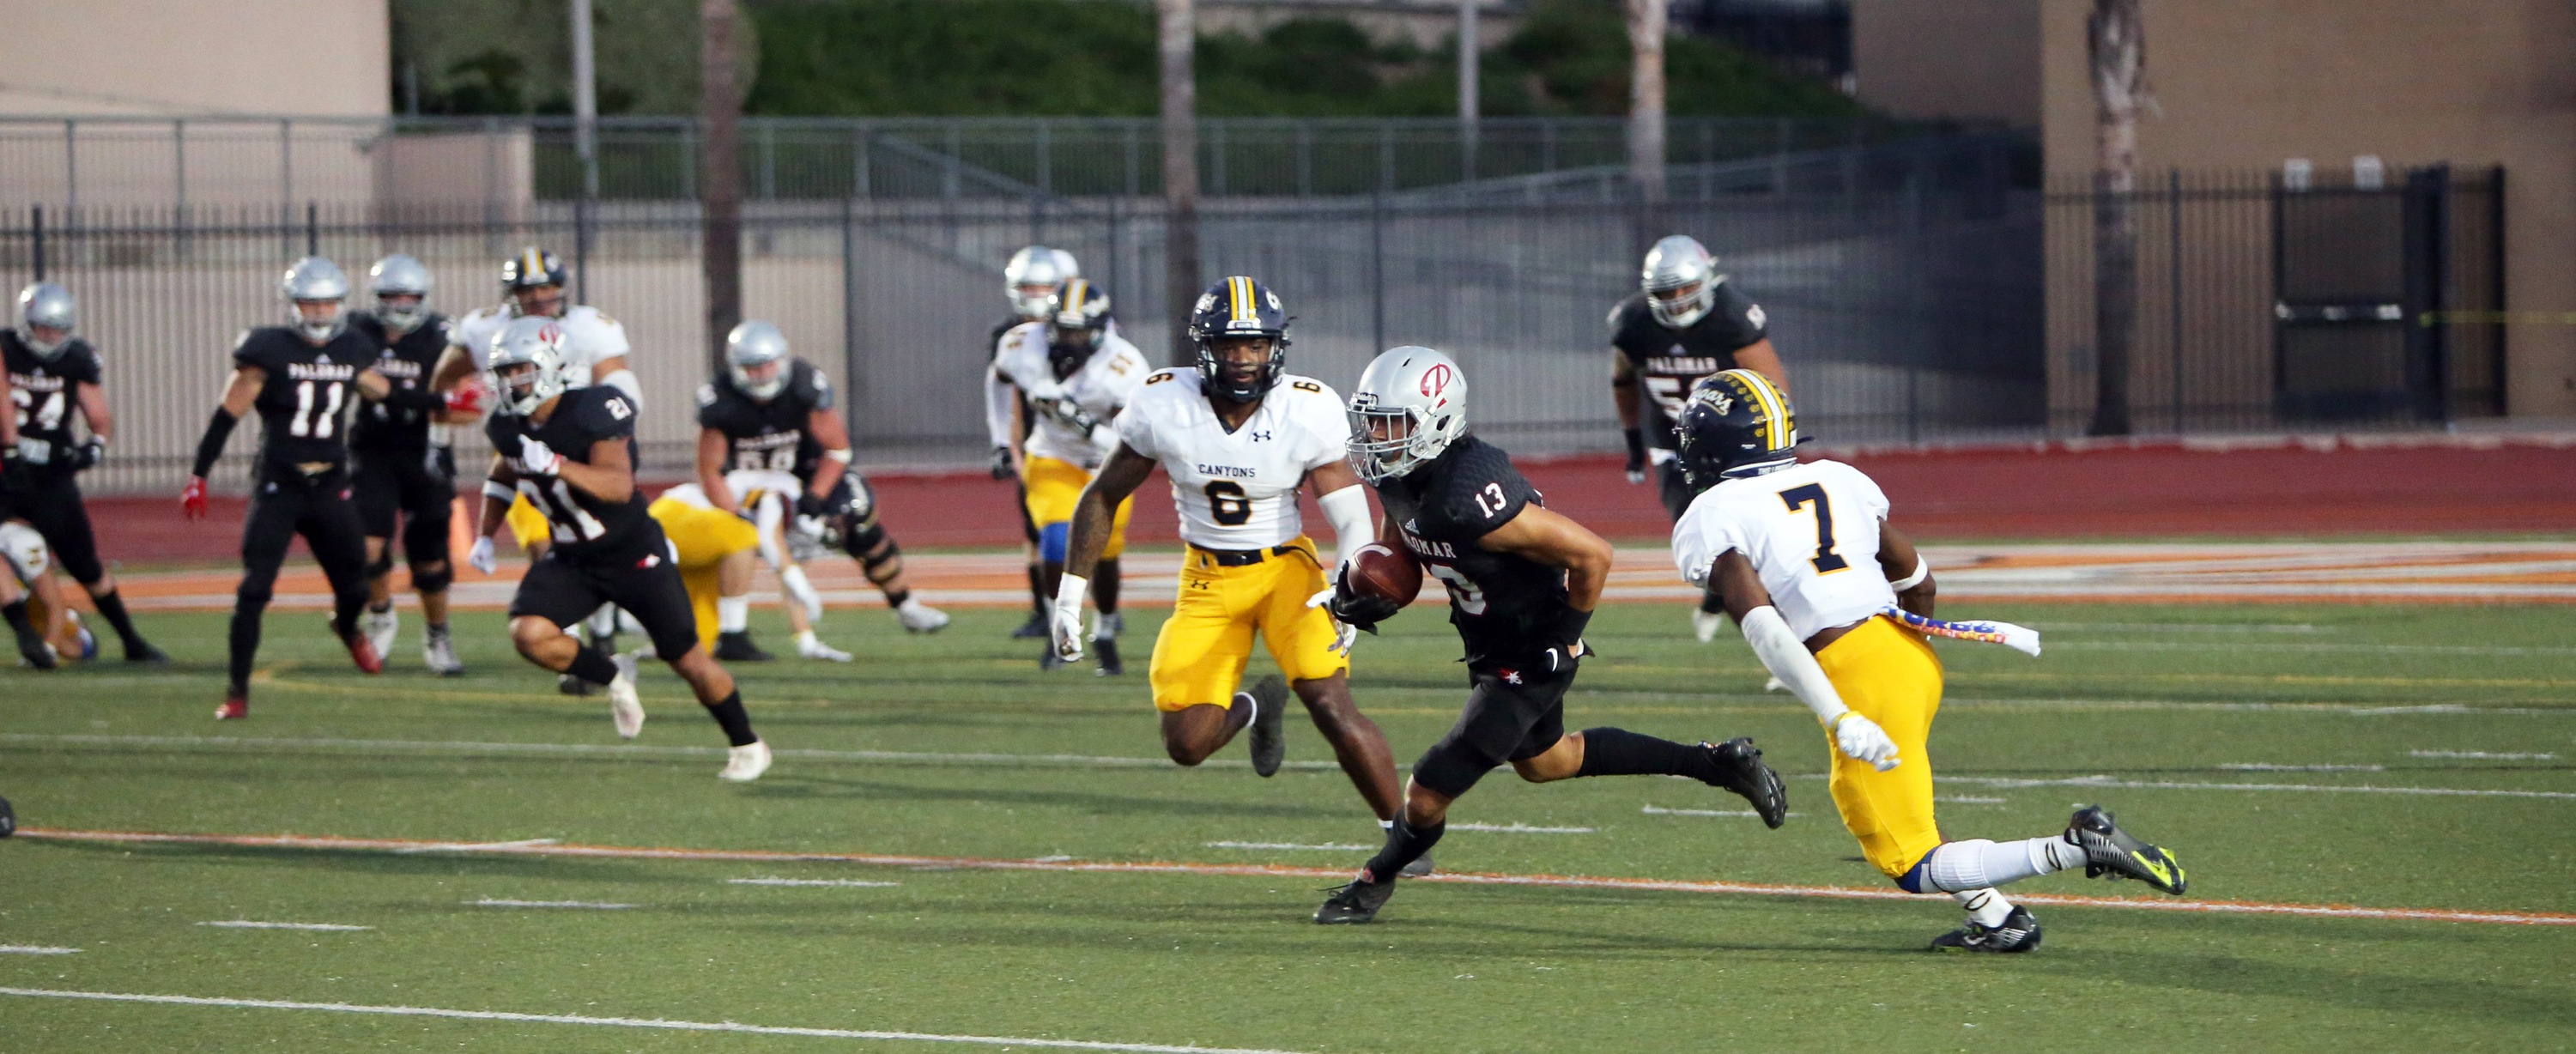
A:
1811	531
1238	489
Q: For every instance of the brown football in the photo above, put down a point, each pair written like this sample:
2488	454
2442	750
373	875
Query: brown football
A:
1379	571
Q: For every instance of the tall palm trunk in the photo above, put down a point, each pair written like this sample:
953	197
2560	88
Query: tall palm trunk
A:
719	173
1177	27
2116	34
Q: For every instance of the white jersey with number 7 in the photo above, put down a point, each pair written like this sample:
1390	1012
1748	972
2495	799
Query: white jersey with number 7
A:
1811	531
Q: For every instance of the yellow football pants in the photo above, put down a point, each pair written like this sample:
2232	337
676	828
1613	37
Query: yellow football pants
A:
1200	654
1887	674
1055	487
527	524
703	537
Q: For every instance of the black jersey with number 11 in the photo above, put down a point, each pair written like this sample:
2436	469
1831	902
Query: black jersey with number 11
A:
306	402
584	526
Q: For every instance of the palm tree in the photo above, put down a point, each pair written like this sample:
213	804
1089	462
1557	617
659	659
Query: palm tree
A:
2117	42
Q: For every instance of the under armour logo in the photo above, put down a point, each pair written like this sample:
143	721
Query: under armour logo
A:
1260	437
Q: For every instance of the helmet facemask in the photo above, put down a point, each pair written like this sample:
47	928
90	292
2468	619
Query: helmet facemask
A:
756	359
1238	377
526	365
1409	406
401	286
315	289
45	319
1032	277
1680	280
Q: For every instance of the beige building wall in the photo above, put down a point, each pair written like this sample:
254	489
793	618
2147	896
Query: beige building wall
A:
2245	85
1961	59
195	57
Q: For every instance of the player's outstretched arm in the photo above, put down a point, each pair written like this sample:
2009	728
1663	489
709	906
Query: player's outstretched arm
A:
1125	471
1739	586
711	470
239	396
1905	569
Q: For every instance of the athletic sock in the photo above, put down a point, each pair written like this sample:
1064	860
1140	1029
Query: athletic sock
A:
1619	752
111	605
731	717
733	614
15	612
379	609
896	598
592	666
1985	907
1037	588
243	644
1965	866
1404	845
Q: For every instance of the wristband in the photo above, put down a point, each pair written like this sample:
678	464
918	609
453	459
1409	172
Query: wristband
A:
1569	626
844	455
1922	570
211	445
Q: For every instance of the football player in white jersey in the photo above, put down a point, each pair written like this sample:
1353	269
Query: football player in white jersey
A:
1834	599
1028	282
1075	373
1238	437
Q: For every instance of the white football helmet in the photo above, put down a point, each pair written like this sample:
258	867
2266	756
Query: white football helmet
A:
1409	405
400	275
48	305
534	342
1680	280
310	280
751	344
1032	275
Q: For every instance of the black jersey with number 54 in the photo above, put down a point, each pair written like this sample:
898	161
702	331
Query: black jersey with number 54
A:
584	526
306	402
1503	604
769	436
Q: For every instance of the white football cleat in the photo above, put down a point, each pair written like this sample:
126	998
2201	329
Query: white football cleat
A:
380	628
810	647
1774	685
623	706
745	763
919	617
438	652
1705	624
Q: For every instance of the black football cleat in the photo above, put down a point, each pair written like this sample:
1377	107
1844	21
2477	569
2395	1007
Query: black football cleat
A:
571	685
1354	904
737	647
2110	852
1048	659
1105	651
2018	933
1420	866
34	651
8	819
144	652
1269	725
1740	769
1033	629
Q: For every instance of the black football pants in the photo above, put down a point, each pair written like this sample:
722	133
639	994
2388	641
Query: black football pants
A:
321	511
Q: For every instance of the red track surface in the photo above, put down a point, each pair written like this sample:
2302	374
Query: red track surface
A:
2428	485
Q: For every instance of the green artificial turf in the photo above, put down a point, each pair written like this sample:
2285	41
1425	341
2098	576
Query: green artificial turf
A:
2132	694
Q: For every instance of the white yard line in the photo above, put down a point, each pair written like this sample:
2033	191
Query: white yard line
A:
468	847
2481	755
1517	828
246	924
836	882
618	750
2265	766
2302	788
2319	649
1333	847
1658	810
590	905
35	949
625	1022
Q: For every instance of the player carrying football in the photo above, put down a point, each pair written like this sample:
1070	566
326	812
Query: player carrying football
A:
571	453
1238	436
398	470
1076	373
1824	587
306	379
1522	584
767	422
53	377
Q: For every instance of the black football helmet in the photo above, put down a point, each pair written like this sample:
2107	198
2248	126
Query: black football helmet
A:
532	267
1238	307
1735	423
1077	317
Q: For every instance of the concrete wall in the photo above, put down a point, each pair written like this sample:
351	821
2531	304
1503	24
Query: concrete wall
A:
2244	86
195	57
1949	59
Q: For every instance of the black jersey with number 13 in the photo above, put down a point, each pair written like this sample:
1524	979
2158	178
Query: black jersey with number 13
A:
773	436
584	526
305	404
1503	604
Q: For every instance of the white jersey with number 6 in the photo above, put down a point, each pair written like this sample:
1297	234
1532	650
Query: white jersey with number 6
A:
1238	489
1811	531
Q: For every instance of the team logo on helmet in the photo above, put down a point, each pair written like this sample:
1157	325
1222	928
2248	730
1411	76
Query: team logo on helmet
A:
1436	379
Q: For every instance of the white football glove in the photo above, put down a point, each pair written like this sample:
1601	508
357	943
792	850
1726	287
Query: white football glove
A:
537	458
1860	739
1636	475
1065	625
480	557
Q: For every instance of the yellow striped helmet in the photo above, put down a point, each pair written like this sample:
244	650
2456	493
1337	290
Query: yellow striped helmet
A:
1237	308
1736	423
1077	314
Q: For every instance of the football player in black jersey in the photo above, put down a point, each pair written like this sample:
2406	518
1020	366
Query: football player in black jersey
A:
306	380
1522	584
1029	279
1686	323
398	470
770	412
571	453
54	375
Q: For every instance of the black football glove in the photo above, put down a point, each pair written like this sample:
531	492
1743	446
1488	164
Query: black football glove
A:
809	505
1361	612
1001	462
89	454
1636	454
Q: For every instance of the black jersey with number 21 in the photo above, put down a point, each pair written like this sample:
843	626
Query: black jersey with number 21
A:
583	524
1503	604
310	393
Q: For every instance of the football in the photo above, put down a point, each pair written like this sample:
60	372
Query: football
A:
1379	571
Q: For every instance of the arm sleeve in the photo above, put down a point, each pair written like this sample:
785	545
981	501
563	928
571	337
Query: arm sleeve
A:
1789	660
1347	510
998	397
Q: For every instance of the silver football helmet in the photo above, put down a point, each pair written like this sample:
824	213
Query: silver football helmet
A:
1409	405
400	275
315	279
754	344
1032	276
48	305
526	363
1680	280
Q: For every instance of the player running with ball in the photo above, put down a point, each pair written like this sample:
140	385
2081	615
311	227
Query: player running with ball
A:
1522	584
1238	435
1830	597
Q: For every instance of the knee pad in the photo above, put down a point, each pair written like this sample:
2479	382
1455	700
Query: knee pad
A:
254	595
1053	540
25	551
382	565
433	581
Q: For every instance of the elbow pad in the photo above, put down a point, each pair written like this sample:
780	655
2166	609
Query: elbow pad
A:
1788	659
1347	510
